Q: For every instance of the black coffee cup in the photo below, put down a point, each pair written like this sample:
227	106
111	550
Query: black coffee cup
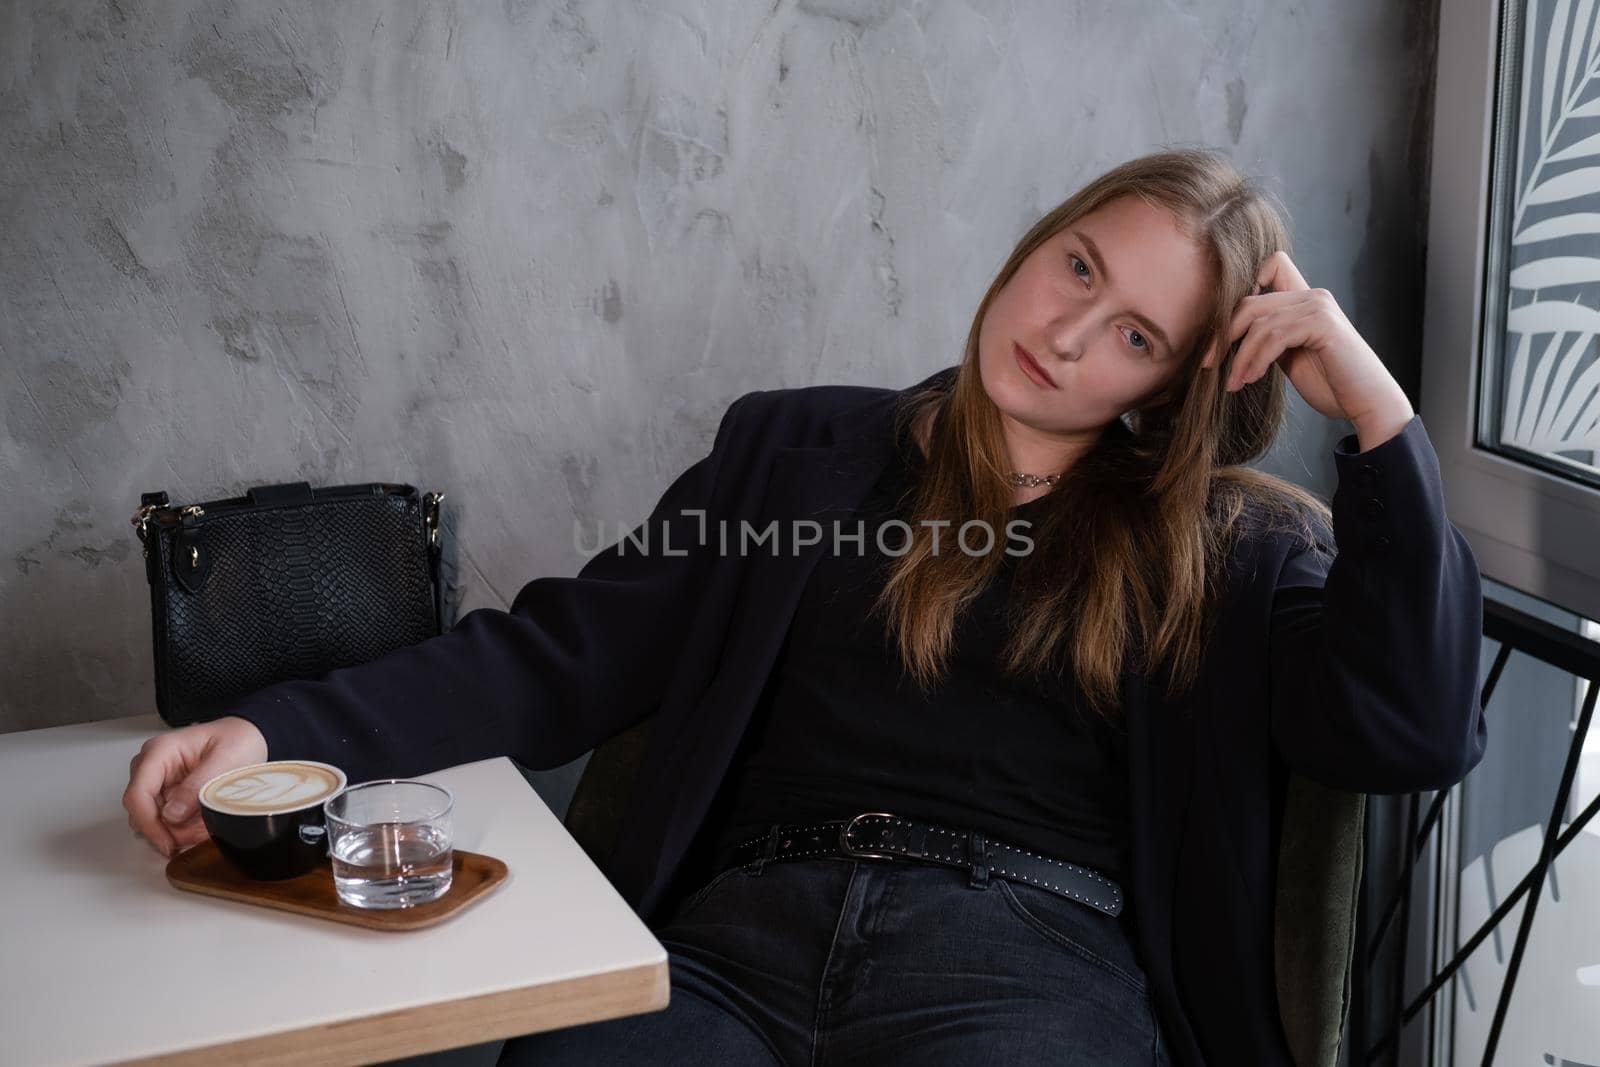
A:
267	818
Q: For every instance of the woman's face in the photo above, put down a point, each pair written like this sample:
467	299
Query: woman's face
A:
1107	307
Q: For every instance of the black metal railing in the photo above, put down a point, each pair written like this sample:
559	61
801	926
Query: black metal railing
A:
1516	631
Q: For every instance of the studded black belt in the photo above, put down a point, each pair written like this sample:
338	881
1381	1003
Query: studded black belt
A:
881	835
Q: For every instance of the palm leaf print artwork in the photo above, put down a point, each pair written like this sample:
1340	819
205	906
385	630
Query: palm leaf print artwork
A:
1551	372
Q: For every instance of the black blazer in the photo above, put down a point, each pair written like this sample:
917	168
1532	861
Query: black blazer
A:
1361	675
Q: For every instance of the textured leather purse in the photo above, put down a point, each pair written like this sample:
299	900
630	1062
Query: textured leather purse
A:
284	582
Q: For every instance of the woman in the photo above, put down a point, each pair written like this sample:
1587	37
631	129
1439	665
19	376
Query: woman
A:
1080	743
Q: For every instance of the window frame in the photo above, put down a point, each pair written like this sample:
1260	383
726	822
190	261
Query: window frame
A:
1529	528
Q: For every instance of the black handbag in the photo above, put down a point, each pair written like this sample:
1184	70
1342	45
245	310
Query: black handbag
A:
284	582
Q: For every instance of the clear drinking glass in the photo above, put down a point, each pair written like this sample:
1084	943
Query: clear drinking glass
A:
390	843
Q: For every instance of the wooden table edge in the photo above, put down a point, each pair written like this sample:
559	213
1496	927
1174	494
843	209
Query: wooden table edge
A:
444	1025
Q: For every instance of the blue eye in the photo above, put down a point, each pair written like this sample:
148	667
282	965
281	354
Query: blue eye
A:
1079	263
1144	345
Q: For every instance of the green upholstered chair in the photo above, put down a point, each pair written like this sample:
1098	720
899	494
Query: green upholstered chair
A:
1314	926
594	814
1319	878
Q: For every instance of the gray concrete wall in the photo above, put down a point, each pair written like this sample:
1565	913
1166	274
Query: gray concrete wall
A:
526	253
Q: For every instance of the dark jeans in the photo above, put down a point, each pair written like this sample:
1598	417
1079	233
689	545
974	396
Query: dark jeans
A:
869	961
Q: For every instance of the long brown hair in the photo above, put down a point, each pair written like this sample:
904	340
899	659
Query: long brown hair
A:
1130	547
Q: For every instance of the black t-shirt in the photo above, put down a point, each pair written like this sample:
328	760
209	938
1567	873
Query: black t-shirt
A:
1026	762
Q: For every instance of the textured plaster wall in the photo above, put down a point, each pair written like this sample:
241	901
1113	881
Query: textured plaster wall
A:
526	252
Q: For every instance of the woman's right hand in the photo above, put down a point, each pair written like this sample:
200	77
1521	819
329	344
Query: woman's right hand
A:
164	779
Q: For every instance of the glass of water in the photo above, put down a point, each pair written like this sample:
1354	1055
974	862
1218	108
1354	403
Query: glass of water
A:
390	843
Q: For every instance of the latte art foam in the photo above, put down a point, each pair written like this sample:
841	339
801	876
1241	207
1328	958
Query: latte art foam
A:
285	786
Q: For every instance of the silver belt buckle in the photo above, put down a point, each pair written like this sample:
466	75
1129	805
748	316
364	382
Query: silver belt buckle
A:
851	850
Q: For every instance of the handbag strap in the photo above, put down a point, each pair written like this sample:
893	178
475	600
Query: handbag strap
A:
286	493
432	518
433	579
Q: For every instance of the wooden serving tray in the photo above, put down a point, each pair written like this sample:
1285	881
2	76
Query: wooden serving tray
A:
203	869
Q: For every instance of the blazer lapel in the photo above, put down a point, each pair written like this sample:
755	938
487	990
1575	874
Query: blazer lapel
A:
823	483
1160	784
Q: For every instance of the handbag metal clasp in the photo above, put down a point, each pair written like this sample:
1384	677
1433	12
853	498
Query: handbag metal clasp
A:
430	515
141	519
850	850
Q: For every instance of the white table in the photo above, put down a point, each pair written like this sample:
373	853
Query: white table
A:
102	961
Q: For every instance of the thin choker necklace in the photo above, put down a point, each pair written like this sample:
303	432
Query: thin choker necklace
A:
1029	481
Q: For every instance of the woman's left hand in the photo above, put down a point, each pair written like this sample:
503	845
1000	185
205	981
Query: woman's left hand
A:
1306	333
